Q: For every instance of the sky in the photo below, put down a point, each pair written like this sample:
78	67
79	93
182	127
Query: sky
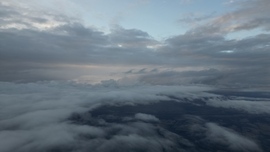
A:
60	60
164	42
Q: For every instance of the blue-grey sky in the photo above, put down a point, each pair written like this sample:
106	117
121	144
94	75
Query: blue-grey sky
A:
214	42
161	19
64	62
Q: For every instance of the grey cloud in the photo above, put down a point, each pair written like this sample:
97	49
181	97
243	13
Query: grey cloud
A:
257	12
72	44
195	19
14	16
247	77
141	71
213	133
131	37
58	116
146	117
207	49
31	54
78	31
48	137
249	14
6	11
26	52
136	143
138	136
36	116
238	61
235	141
253	107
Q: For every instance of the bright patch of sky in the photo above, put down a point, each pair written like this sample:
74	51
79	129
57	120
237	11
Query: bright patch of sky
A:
159	19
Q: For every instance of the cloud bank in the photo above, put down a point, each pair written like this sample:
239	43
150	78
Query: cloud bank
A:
233	140
53	46
44	53
39	111
36	116
56	116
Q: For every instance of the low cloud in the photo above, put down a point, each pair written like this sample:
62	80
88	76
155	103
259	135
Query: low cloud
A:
61	116
253	107
36	116
230	138
146	117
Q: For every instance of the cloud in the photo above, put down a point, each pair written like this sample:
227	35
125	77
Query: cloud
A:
42	116
17	16
39	55
34	53
246	15
228	137
146	117
238	61
58	47
219	78
131	38
253	107
137	136
37	116
67	116
37	46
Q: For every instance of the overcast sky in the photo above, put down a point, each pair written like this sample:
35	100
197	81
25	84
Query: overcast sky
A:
213	42
62	59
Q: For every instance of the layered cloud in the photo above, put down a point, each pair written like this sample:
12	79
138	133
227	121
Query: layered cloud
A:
146	117
39	116
235	141
53	46
44	48
245	15
56	116
255	107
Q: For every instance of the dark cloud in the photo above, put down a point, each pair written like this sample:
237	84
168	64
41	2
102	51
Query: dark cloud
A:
71	44
146	117
212	50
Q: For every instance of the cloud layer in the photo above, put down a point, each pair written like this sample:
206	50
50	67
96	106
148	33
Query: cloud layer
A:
35	116
235	142
56	116
44	53
53	46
